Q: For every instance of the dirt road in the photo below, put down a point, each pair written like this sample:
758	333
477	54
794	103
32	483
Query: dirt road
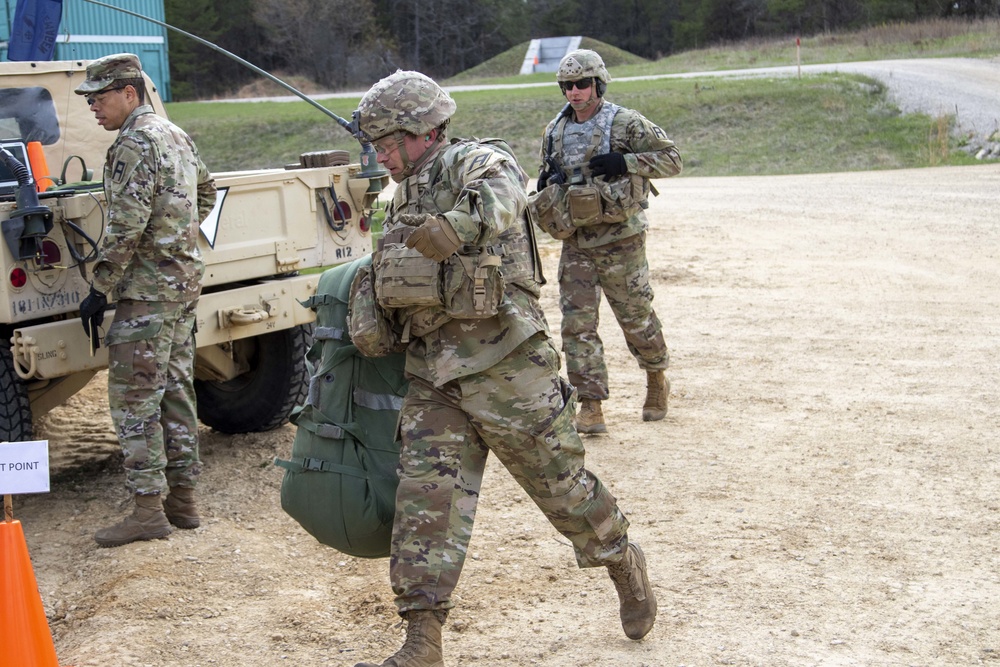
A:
825	490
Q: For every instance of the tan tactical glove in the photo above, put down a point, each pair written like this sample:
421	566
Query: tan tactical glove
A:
435	238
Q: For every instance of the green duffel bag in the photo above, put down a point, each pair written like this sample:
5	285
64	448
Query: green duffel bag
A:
340	480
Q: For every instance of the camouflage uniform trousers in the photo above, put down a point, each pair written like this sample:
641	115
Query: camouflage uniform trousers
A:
621	271
522	411
151	352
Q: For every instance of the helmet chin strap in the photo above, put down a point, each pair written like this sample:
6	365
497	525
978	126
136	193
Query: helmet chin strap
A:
410	166
592	100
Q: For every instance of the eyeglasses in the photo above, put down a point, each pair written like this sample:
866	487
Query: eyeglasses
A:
99	97
582	84
383	151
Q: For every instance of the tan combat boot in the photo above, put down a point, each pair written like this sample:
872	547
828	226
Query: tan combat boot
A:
638	603
422	647
657	390
590	419
179	508
148	522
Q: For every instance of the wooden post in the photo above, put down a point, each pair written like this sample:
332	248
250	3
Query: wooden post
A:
8	503
798	55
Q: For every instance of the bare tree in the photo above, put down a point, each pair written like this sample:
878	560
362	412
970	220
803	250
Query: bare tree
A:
329	41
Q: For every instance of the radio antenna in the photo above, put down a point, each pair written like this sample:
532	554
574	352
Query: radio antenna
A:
343	123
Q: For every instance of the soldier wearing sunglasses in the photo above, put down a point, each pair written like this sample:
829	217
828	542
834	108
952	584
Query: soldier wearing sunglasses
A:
597	162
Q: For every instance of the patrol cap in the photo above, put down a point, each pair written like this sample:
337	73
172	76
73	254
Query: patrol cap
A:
104	72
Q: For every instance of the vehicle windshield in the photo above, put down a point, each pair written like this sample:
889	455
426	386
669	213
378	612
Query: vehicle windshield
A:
28	114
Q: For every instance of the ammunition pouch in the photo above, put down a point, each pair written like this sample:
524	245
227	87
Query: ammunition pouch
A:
548	210
584	203
473	285
467	285
406	278
368	325
622	197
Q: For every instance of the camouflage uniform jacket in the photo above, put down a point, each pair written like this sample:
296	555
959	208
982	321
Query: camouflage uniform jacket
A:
480	189
649	153
158	191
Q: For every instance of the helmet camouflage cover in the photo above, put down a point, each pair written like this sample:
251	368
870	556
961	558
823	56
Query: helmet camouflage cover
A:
404	101
582	64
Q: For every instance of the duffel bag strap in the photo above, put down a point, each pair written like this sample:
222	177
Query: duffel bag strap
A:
332	431
319	465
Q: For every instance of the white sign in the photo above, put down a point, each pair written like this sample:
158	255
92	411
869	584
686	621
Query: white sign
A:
210	225
24	467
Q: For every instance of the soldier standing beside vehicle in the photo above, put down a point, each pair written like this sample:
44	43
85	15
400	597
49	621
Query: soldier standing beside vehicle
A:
597	159
158	191
484	373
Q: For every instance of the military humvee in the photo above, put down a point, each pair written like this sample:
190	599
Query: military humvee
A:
268	227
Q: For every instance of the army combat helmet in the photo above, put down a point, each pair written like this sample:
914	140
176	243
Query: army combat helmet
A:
582	64
404	102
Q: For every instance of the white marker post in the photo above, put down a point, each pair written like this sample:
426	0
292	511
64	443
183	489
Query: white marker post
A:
798	55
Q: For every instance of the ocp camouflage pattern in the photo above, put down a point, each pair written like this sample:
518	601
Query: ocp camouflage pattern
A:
158	192
649	154
404	101
480	190
151	351
482	385
620	271
522	411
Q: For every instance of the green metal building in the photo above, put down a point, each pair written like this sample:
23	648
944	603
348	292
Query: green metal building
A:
88	31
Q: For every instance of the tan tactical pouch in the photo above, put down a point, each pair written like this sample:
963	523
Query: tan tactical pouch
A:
369	328
473	286
585	205
622	198
549	212
406	278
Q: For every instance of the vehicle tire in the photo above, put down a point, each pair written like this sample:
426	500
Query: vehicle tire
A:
15	409
262	398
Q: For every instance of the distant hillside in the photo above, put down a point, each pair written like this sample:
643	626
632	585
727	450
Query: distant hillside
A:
509	62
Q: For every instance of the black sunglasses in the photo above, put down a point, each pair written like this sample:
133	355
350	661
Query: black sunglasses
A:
582	84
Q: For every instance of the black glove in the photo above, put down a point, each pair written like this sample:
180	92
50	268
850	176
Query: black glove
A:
608	165
543	181
92	315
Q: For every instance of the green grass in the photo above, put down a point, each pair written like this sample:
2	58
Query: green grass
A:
822	123
832	122
934	38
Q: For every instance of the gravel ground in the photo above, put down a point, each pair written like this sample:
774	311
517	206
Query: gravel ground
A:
823	492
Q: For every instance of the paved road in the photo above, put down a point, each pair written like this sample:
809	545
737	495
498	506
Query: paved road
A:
968	88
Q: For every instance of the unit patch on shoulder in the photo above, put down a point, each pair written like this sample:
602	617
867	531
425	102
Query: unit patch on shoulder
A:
482	162
124	162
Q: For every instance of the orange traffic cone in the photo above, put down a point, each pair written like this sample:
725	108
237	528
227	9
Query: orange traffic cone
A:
39	166
24	631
